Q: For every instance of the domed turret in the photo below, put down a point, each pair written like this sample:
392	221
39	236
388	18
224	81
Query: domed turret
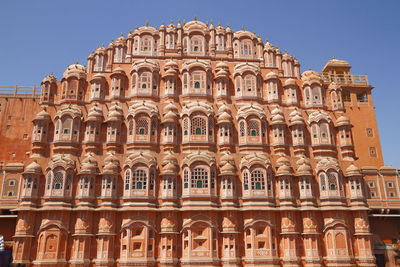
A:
75	70
33	168
353	170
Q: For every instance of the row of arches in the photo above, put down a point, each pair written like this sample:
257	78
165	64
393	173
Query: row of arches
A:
200	238
199	179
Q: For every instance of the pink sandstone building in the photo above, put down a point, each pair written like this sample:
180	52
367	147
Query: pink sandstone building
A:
195	145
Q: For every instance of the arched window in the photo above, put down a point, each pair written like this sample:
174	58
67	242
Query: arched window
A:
186	126
185	178
307	93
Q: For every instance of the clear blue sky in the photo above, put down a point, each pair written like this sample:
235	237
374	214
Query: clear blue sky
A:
39	37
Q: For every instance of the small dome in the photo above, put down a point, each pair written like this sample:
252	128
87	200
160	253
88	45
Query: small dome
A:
304	170
222	73
171	64
223	108
89	165
170	117
118	70
290	82
50	79
268	46
95	113
42	116
170	72
295	118
284	170
222	65
98	76
342	121
111	164
271	75
115	113
33	168
100	50
169	169
169	157
353	170
226	157
76	70
170	106
286	56
277	117
282	161
224	117
228	169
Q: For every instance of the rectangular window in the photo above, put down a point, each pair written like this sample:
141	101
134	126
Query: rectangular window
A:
346	96
371	184
362	97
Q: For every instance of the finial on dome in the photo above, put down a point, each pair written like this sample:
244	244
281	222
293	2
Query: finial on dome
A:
130	31
147	24
195	18
243	28
77	62
219	23
122	35
162	22
102	45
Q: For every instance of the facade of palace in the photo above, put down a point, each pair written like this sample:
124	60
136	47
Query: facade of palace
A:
194	145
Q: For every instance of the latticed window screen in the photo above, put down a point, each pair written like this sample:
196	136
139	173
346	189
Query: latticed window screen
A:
241	128
185	178
322	178
198	126
127	179
153	127
332	181
249	83
58	180
186	126
199	178
142	126
130	127
69	181
146	45
145	79
253	128
151	182
197	80
324	130
257	180
139	179
48	181
246	180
